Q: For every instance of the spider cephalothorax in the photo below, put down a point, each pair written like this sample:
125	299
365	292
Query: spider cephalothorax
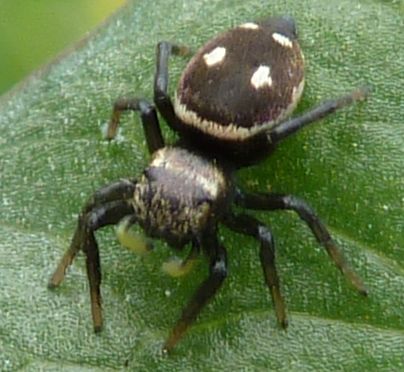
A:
178	195
230	110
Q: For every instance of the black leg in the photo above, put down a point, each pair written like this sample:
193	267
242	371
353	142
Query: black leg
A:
248	225
267	201
217	273
120	190
151	126
326	108
108	214
161	98
103	209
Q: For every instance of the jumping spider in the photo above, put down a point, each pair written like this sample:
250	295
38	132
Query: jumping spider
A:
230	111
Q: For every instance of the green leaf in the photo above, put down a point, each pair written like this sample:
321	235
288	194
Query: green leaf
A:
349	168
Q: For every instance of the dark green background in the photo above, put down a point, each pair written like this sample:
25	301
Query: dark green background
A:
349	168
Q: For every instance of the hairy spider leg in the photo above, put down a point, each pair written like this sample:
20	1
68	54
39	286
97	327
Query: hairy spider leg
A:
148	115
217	273
272	201
248	225
161	97
119	190
108	214
107	207
288	127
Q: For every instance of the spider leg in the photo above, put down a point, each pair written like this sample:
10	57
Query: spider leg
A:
248	225
148	115
108	214
286	128
107	207
217	273
161	98
270	201
122	189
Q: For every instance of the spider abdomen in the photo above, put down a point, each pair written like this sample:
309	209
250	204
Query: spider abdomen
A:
242	82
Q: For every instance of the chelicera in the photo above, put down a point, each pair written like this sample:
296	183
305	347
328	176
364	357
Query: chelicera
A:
230	110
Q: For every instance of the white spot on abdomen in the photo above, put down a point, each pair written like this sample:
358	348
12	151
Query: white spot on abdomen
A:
215	56
282	40
249	25
261	77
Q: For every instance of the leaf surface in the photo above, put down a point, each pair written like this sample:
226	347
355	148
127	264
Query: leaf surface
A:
349	168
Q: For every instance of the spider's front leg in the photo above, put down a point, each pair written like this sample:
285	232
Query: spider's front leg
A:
271	201
217	273
107	207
